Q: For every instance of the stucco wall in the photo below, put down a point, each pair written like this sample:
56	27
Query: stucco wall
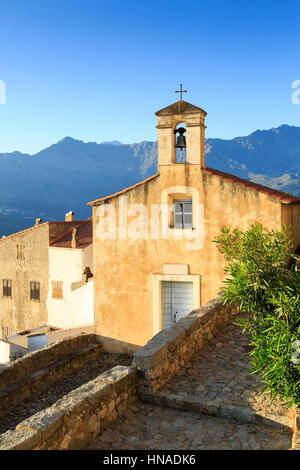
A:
293	221
124	269
19	312
82	304
4	352
77	306
296	428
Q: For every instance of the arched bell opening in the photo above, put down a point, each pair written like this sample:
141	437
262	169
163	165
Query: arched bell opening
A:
180	142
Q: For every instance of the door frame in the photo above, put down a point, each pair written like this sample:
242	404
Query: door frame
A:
157	300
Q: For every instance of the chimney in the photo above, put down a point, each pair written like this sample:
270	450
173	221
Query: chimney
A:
38	221
70	216
87	273
74	238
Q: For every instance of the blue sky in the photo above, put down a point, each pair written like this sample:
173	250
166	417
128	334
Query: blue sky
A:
98	70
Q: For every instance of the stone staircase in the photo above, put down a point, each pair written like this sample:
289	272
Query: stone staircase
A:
35	372
147	426
211	403
193	386
217	382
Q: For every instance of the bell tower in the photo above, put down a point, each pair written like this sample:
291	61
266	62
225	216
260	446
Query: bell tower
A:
168	120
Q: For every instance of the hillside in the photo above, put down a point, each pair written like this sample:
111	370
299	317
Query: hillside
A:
69	173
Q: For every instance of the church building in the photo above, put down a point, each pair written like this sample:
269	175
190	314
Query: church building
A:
154	256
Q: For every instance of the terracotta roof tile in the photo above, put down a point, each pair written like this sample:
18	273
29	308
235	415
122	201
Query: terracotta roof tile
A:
84	234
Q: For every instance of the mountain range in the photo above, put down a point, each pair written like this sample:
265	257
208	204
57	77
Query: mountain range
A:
71	172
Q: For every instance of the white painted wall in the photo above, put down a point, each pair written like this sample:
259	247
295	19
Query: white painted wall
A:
4	352
83	304
8	350
77	306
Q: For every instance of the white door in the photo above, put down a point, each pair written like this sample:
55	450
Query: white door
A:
177	301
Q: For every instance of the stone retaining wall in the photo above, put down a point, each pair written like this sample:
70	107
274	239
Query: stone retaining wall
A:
36	371
79	417
16	370
167	352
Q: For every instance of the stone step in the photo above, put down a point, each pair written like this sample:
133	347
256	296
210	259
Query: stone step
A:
14	371
218	408
149	427
38	381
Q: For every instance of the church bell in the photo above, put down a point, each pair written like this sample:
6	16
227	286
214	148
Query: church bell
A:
181	143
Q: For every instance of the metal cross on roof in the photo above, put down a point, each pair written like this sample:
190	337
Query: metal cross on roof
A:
181	91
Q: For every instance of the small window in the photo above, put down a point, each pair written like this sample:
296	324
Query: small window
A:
5	331
57	290
20	251
34	290
7	284
183	213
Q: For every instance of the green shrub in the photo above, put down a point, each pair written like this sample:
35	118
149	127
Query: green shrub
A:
261	282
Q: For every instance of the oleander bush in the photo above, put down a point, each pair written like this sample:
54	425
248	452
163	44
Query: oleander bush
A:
262	278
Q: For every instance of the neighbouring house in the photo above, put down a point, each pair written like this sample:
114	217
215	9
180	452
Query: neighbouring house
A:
154	256
70	301
25	263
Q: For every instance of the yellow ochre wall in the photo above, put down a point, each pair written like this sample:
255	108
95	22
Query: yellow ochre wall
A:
123	269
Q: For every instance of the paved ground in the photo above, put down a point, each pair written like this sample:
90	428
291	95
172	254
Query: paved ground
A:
219	374
146	427
216	375
59	389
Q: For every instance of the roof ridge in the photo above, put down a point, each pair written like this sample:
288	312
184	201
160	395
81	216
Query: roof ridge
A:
180	107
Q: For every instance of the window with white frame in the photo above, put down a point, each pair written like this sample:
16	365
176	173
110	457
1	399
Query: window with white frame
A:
183	213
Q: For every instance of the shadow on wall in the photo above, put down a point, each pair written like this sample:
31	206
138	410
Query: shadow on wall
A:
115	346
